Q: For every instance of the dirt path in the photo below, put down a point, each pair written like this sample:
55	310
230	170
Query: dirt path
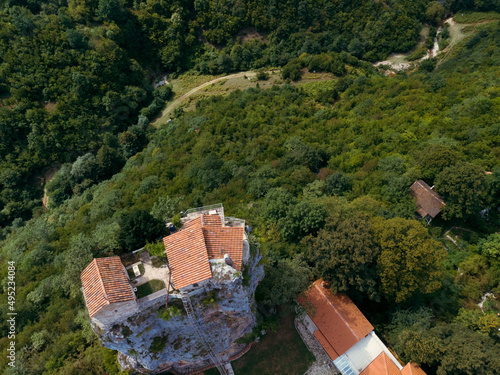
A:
48	176
181	99
399	62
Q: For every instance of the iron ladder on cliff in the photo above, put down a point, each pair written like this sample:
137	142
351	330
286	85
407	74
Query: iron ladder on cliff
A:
197	329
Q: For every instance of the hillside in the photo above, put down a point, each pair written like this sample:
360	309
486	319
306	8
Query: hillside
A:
78	78
320	170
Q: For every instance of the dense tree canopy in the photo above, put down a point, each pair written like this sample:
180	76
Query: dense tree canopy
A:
410	261
345	254
463	187
268	155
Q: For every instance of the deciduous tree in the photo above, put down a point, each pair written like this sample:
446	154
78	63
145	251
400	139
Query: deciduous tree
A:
345	253
462	187
410	261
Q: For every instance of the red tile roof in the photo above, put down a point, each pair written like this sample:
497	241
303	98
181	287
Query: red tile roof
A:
104	282
201	239
412	369
187	255
195	223
428	201
211	220
225	240
336	316
382	365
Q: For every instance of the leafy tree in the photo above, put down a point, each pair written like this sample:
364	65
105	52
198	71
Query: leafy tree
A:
76	39
208	173
299	153
434	12
428	65
345	254
165	207
462	187
302	219
292	70
110	10
465	352
410	261
137	228
276	204
486	323
490	246
85	167
284	280
110	161
434	159
409	331
314	189
337	183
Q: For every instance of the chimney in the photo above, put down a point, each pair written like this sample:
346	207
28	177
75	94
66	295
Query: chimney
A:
228	260
432	187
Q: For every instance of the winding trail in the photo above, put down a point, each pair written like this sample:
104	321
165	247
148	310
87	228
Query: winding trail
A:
182	98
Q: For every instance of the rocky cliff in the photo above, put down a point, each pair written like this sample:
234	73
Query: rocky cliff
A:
159	338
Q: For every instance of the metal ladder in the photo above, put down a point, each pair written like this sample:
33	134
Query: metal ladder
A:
197	329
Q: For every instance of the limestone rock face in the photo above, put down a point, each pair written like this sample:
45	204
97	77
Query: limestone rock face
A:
156	339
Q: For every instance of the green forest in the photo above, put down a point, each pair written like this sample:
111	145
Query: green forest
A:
320	170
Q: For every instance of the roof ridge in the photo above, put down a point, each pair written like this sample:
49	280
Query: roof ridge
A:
339	314
430	190
100	279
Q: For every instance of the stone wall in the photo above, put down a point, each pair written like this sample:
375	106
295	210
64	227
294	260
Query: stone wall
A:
113	313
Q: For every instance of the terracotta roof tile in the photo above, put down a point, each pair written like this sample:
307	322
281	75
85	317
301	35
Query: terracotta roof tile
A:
225	240
199	240
211	220
187	255
105	281
428	201
412	369
382	365
192	223
336	316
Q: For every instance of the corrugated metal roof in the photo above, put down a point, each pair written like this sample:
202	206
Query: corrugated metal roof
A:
367	350
344	365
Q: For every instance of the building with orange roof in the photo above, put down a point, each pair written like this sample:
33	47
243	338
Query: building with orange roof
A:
346	335
412	369
107	291
206	238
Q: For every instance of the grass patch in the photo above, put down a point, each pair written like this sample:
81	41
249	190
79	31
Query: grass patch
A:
473	17
150	287
280	352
